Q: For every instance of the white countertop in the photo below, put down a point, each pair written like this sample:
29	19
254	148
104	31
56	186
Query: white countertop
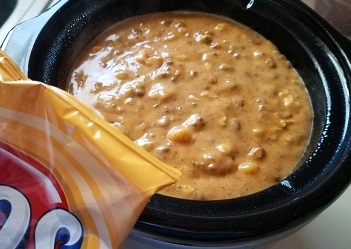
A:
330	230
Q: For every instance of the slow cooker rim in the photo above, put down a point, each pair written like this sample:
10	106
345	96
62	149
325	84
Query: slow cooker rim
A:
290	3
340	169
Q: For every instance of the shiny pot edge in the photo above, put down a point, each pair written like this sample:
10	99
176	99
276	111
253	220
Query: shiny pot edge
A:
23	38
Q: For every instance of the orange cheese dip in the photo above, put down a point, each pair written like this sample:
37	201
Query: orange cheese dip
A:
203	94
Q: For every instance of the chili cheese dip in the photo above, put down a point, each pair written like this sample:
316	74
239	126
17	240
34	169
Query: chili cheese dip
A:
203	94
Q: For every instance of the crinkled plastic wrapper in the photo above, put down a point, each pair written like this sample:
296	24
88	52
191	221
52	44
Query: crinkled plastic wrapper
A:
68	179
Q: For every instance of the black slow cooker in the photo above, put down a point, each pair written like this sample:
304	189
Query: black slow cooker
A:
47	46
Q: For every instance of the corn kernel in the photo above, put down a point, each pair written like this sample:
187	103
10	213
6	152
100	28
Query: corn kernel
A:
248	167
221	27
155	61
182	57
179	134
223	121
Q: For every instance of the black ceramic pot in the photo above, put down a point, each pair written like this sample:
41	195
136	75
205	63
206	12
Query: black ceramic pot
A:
47	46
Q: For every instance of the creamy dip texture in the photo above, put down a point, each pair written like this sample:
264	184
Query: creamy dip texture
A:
203	94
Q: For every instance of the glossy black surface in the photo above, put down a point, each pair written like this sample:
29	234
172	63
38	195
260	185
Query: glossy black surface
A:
7	7
319	53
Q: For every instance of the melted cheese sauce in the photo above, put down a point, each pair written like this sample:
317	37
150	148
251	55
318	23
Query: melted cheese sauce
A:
203	94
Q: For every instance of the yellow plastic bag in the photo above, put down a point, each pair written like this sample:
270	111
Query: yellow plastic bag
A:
69	179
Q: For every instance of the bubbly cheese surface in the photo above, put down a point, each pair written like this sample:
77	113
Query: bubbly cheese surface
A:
203	94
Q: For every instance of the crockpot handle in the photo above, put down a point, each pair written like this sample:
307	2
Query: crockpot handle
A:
20	40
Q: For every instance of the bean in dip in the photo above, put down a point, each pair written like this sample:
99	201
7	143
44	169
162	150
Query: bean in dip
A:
202	93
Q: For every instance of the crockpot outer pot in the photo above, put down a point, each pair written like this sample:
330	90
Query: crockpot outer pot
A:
47	46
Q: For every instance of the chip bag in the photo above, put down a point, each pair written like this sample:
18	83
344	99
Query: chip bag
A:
68	179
